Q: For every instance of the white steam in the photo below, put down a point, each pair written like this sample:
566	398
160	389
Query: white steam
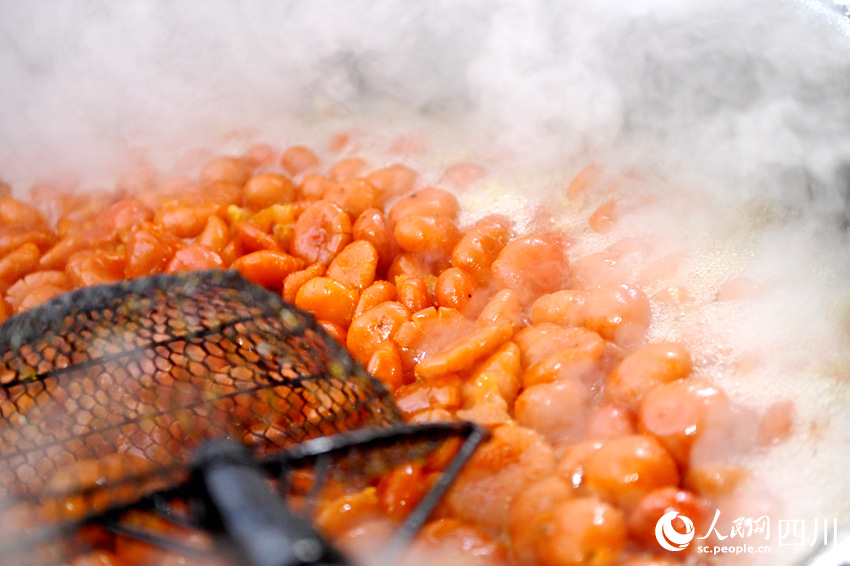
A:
742	88
736	115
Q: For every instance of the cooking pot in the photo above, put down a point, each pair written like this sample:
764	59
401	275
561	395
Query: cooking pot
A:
743	104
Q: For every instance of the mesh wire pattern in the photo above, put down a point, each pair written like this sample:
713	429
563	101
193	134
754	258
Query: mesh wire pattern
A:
106	391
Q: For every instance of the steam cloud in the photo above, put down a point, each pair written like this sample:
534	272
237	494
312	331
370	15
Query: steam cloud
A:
748	88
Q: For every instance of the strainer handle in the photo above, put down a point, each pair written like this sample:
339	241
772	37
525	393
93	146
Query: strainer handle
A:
256	520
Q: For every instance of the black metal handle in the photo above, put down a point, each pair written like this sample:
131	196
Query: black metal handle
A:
255	518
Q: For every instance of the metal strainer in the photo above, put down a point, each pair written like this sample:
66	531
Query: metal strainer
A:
199	386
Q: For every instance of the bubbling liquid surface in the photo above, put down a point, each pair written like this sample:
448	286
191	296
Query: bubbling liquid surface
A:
748	292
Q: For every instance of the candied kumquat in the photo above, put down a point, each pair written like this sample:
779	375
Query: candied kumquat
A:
268	268
260	155
643	369
16	213
578	364
441	393
314	186
394	180
430	331
333	329
583	530
676	413
385	364
225	168
413	292
298	159
12	237
375	294
450	541
625	469
181	220
462	354
360	541
532	266
266	189
19	262
454	288
503	307
408	144
194	257
495	475
356	265
349	168
92	267
295	280
655	504
425	202
714	479
598	270
354	196
611	421
321	232
373	327
251	237
373	227
410	264
483	402
215	234
561	307
402	489
540	341
572	464
504	366
530	515
620	314
430	236
557	410
56	280
479	247
40	295
219	194
328	300
347	511
604	217
464	174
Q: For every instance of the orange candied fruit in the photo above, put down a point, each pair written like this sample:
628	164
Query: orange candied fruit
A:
596	432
